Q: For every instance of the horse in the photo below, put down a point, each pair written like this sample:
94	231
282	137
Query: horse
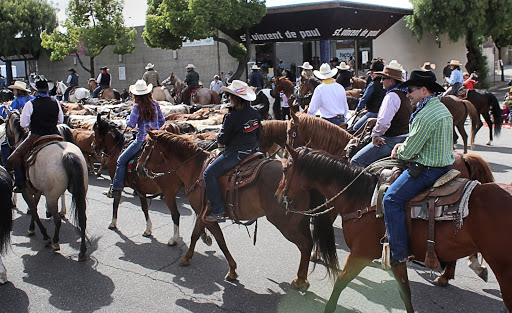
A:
484	102
161	93
288	88
6	206
264	104
358	83
355	93
6	95
176	82
56	168
460	109
106	93
204	96
306	88
78	94
85	140
273	136
170	158
485	229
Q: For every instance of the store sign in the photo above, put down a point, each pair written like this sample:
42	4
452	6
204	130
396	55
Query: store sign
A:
203	42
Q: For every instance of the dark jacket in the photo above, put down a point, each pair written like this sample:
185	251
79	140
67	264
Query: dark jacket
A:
373	105
105	79
400	122
240	129
74	80
256	79
344	78
45	116
192	79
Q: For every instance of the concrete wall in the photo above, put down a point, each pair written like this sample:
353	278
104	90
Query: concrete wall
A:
206	59
399	43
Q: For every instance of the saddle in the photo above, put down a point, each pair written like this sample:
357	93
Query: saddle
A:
72	90
38	145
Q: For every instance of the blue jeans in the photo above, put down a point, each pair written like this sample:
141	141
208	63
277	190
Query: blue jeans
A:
122	161
97	90
402	190
19	173
363	119
225	162
335	120
369	153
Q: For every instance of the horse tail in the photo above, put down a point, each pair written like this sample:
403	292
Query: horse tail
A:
6	206
324	243
117	94
478	168
473	114
495	111
65	132
75	172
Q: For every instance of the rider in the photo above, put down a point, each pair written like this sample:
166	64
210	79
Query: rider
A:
103	81
151	76
42	115
255	78
20	91
72	82
456	80
428	149
239	134
146	114
344	75
192	81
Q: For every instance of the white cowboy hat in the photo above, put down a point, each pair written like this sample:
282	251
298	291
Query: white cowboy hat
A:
255	67
306	66
149	66
190	66
141	88
240	89
427	66
394	64
325	71
455	62
343	66
19	85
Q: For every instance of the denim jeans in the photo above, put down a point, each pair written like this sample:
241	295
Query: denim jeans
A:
19	173
401	191
97	90
335	120
122	161
363	119
370	153
225	162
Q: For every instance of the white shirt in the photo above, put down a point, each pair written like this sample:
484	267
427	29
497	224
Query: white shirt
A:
390	105
329	99
27	113
215	85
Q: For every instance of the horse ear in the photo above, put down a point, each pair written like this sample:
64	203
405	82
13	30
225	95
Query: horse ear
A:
291	150
151	134
98	117
294	117
308	144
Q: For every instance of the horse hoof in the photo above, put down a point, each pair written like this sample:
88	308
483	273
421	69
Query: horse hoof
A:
184	262
48	214
206	239
440	281
3	278
31	233
173	242
112	226
488	143
231	276
299	286
82	257
56	246
62	214
47	242
484	274
146	234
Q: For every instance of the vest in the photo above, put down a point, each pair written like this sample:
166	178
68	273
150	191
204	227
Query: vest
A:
74	80
373	105
105	79
45	116
400	122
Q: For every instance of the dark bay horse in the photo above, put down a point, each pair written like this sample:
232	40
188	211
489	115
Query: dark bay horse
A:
486	229
460	109
6	206
484	102
172	159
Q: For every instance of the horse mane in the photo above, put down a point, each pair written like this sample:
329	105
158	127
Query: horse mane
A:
16	119
177	145
105	124
274	129
320	166
478	168
323	134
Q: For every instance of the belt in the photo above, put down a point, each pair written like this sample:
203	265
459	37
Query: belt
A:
337	116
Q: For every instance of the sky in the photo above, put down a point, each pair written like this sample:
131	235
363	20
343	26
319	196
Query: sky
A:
135	10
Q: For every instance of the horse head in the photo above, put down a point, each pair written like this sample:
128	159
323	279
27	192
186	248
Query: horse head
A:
288	190
13	130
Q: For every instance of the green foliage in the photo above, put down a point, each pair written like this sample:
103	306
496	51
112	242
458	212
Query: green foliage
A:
21	24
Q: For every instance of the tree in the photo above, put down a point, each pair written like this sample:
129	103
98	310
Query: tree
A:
21	24
475	20
91	26
171	22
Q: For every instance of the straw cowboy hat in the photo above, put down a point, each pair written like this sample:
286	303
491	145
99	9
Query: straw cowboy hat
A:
190	66
427	66
421	78
306	66
325	71
455	63
393	70
19	85
343	66
149	66
240	89
141	88
255	67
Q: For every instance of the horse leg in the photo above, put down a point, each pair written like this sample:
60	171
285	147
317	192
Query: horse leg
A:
63	209
449	273
32	200
400	273
477	267
353	267
3	272
53	209
170	200
115	207
144	207
463	134
487	119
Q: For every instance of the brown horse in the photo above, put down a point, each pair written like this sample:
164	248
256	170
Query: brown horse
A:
287	87
356	93
205	96
176	82
460	109
486	228
105	93
358	83
273	136
172	160
85	140
484	102
306	88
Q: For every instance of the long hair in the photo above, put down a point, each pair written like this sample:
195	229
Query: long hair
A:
239	103
146	107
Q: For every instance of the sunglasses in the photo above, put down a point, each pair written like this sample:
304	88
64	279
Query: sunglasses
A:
411	90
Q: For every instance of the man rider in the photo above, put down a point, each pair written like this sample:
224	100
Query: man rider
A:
72	82
103	81
192	81
151	76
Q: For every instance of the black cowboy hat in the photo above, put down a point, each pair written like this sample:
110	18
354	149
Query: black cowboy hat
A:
104	68
40	83
377	66
421	78
335	59
72	70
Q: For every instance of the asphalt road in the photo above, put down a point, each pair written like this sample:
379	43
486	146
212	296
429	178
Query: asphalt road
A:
127	272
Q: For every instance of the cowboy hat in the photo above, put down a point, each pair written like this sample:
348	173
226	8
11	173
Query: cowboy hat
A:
393	70
335	59
255	67
104	68
421	78
141	88
343	66
455	63
72	70
19	85
427	66
41	84
240	89
376	66
325	71
149	66
306	66
190	66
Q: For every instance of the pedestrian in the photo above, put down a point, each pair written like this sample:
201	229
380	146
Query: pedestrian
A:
255	78
146	115
192	81
151	76
216	84
239	135
72	81
329	98
104	80
455	80
285	107
469	81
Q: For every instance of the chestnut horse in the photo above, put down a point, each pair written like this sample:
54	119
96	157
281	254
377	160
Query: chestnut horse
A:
460	109
173	160
273	136
486	229
6	206
288	88
358	83
306	88
106	93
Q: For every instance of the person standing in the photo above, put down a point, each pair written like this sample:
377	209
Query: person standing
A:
456	80
428	149
151	76
469	81
216	84
239	134
192	81
329	98
72	81
145	115
103	81
255	78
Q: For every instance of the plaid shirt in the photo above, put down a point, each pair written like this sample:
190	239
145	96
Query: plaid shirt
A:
143	126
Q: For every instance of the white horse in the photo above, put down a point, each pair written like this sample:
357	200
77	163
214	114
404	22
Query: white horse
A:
6	207
56	168
79	94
